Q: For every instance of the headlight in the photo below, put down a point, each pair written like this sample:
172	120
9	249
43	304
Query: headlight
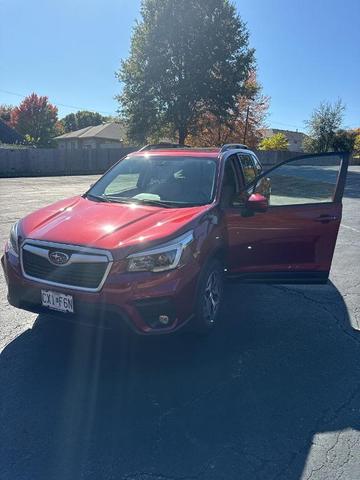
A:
159	259
14	238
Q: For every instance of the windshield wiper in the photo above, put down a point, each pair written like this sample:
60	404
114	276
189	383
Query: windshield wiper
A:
156	203
99	198
109	198
167	203
139	201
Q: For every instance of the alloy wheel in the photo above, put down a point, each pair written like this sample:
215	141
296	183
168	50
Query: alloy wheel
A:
212	295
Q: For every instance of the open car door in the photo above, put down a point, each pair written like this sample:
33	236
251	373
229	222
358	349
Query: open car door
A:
293	239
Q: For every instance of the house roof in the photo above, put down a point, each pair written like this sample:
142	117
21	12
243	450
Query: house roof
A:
108	131
9	134
292	136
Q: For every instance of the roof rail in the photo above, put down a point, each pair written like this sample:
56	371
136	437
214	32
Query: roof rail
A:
161	145
233	146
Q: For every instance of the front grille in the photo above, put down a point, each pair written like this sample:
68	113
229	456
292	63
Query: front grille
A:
85	274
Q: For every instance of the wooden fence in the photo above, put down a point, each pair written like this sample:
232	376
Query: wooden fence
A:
55	162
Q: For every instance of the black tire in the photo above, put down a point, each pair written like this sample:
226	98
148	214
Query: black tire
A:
208	303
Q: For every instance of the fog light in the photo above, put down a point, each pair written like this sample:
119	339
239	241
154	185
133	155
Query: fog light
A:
164	319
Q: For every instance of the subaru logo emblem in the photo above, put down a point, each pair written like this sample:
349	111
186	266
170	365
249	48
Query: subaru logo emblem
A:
58	258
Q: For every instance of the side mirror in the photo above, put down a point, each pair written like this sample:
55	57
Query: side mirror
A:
257	203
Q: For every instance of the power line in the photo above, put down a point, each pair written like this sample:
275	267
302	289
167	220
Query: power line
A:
72	107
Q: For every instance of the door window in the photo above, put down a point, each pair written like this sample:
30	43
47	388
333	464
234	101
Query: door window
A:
248	167
309	180
258	166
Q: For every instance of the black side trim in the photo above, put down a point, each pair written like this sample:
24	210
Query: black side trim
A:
310	277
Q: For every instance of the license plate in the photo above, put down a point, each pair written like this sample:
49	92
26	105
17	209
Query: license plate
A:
57	301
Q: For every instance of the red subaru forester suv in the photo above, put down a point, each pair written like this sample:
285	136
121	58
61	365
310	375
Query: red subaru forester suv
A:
152	241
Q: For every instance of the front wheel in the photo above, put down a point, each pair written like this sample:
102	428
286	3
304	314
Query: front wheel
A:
209	296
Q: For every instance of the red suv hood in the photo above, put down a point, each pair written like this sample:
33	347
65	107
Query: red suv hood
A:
81	221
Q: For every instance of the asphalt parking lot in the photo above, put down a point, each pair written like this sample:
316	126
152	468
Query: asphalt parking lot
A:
274	393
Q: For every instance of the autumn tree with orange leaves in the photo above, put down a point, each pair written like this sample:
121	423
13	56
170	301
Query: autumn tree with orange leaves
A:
252	104
36	119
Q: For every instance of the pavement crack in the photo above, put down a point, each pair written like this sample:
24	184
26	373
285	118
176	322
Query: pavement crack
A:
326	418
142	475
338	321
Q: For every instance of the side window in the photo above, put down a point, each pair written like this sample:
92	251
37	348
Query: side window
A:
258	166
248	167
305	181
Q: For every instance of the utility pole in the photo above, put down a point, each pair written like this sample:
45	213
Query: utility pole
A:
246	123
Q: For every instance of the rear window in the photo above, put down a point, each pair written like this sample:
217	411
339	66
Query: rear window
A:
248	167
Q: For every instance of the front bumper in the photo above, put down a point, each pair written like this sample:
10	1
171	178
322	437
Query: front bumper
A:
137	299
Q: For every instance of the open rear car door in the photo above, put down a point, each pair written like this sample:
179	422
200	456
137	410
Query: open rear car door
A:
292	240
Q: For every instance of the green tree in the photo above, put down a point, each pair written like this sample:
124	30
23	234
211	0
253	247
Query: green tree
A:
69	123
186	58
81	119
5	112
344	141
325	121
357	145
275	142
35	118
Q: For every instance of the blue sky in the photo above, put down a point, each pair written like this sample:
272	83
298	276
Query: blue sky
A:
306	50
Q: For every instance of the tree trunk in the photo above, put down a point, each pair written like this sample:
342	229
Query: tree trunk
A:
182	135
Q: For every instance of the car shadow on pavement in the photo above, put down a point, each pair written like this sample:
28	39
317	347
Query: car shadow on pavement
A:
245	402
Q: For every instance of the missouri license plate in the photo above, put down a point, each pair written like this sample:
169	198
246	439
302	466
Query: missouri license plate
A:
57	301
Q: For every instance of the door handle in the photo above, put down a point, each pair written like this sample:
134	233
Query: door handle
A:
326	218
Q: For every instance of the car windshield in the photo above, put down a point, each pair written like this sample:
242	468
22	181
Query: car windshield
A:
158	180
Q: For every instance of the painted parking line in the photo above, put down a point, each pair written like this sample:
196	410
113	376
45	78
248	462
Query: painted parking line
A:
350	228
